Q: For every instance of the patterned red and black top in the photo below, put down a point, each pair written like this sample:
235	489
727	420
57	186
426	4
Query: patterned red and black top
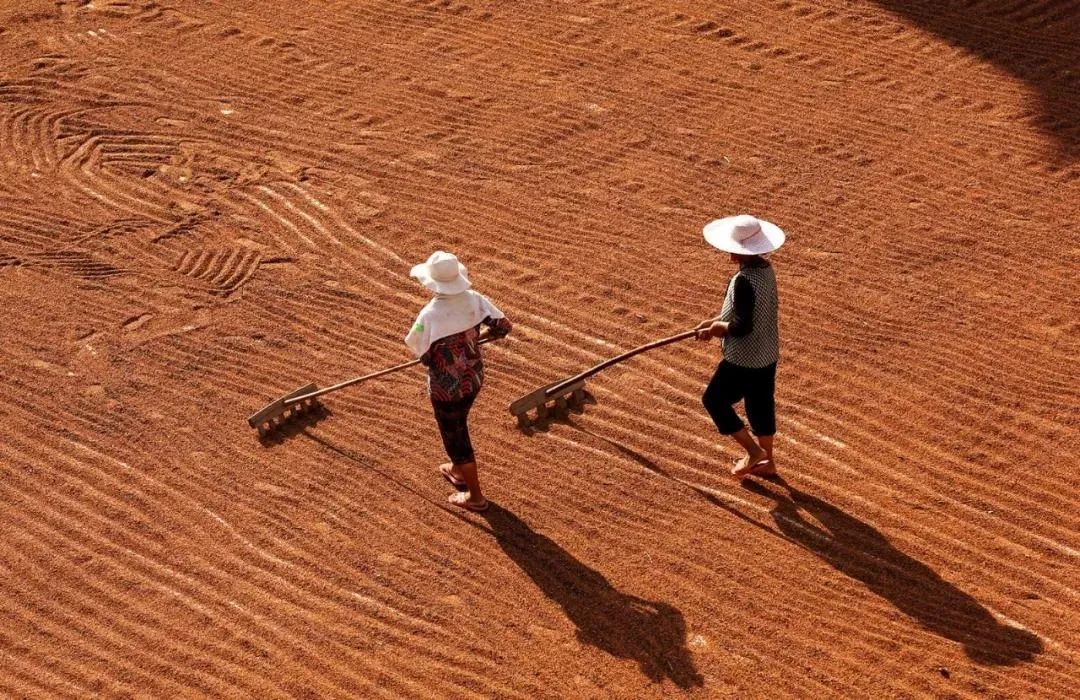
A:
455	367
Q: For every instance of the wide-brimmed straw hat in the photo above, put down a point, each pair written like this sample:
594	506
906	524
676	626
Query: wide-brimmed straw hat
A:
744	234
442	273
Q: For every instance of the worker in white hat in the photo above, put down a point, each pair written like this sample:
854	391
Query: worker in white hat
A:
748	325
446	337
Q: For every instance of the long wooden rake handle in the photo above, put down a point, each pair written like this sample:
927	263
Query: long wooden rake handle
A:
357	380
558	388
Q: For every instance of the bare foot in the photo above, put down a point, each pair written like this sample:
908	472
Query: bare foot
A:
464	500
745	466
455	477
766	467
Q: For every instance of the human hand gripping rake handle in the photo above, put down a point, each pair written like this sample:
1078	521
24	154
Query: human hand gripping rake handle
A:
357	380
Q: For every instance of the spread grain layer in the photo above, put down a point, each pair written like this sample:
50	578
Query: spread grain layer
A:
205	205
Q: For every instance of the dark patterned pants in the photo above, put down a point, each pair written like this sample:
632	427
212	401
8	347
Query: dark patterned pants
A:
731	384
453	417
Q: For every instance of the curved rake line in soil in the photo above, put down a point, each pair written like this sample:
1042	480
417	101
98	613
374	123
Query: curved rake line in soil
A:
223	270
295	210
151	648
278	219
342	680
451	664
341	223
75	167
242	209
23	137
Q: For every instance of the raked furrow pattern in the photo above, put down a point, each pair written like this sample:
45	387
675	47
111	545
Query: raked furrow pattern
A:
206	205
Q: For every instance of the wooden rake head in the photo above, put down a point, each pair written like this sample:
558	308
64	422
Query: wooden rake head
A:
570	393
278	413
549	401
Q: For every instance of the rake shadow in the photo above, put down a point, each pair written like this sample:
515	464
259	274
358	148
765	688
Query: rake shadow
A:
651	633
296	425
542	425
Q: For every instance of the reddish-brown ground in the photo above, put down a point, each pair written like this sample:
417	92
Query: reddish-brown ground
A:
204	205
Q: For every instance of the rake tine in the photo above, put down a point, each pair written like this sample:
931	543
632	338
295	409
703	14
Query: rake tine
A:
545	405
275	414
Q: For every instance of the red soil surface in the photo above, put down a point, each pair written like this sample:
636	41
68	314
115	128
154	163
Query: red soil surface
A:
205	205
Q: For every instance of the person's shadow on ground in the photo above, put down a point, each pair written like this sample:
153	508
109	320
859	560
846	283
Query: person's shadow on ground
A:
651	633
1037	46
863	553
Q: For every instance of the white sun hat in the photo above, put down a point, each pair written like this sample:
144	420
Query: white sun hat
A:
442	273
744	234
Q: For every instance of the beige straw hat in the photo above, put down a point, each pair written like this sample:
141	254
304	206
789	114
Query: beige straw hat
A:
744	234
442	273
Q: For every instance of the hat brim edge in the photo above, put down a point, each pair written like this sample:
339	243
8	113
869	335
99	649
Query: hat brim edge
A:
719	237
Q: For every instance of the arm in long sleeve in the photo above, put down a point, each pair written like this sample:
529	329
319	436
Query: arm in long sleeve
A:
742	320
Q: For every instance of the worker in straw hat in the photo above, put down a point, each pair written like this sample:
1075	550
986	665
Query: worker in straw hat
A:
446	337
748	326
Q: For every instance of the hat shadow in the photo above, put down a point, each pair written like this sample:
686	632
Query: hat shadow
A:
650	633
862	552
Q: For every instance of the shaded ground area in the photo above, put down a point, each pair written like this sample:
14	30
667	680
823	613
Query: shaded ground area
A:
1036	42
863	553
